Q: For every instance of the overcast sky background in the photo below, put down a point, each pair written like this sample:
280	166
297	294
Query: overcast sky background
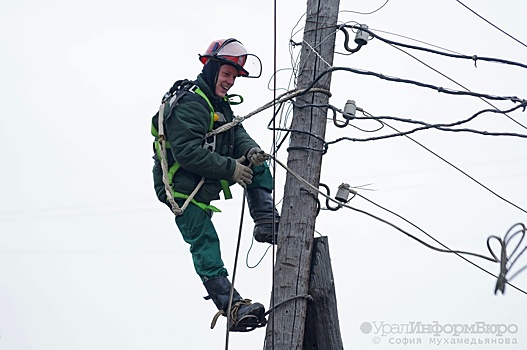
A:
89	259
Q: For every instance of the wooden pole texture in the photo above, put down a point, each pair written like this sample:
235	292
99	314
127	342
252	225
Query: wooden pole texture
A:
285	330
322	330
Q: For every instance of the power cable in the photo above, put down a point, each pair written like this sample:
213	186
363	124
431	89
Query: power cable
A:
393	44
504	259
474	58
409	81
399	133
469	175
504	266
437	71
260	260
231	293
416	40
403	134
446	250
461	171
273	277
501	30
291	94
443	127
455	82
366	13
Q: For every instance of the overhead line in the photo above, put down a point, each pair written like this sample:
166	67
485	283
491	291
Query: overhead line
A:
501	30
455	82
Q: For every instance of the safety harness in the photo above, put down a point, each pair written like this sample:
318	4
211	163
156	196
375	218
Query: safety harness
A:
168	103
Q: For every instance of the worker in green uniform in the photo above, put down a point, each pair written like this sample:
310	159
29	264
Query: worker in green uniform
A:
225	159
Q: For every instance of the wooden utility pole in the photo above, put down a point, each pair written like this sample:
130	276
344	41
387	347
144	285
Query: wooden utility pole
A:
322	331
285	330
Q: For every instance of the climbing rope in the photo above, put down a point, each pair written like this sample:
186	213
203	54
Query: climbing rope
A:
289	95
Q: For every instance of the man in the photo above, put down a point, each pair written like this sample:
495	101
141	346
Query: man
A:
222	160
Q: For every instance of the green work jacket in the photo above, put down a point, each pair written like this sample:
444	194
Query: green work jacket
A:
185	130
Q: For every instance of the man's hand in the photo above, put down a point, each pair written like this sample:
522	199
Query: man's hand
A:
242	174
256	156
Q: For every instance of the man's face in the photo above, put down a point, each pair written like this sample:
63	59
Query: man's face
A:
226	77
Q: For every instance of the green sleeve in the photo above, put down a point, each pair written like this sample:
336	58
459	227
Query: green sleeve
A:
186	128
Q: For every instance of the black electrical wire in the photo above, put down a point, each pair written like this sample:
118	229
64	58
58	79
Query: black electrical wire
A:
501	30
446	250
455	82
399	133
514	99
289	130
437	71
458	169
482	132
330	106
416	40
285	116
419	122
317	201
408	81
361	129
443	127
505	258
425	126
367	13
474	58
346	42
275	111
327	199
406	133
261	258
444	75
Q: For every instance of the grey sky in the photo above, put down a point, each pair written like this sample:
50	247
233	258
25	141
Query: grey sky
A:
90	260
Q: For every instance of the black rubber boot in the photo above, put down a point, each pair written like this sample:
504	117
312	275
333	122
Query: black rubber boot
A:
261	208
245	316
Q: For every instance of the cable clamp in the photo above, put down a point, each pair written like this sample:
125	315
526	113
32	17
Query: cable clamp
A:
475	59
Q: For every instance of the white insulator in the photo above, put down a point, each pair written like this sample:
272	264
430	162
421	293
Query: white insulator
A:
343	193
350	108
361	38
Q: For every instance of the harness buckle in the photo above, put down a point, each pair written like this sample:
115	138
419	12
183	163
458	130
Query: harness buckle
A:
210	143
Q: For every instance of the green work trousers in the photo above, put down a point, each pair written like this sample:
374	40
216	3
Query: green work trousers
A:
196	227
